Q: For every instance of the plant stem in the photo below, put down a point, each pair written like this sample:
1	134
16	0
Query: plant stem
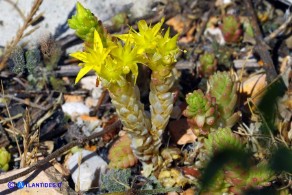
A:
126	99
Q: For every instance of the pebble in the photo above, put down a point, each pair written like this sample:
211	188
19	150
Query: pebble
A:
56	13
75	108
88	172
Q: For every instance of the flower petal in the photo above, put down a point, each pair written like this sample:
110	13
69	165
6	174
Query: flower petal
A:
82	56
83	71
97	43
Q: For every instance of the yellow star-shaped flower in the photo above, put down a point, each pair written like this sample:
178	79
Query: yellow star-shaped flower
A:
92	58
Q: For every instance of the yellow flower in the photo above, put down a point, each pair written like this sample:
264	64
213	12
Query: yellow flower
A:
92	58
146	39
156	51
112	71
126	56
167	48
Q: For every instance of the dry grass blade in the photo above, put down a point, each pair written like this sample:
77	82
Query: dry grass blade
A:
14	131
28	103
20	33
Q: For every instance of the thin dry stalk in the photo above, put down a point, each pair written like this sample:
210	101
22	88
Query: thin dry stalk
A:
12	124
20	33
23	162
77	187
28	103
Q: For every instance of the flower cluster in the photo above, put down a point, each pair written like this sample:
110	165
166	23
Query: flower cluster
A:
115	59
157	51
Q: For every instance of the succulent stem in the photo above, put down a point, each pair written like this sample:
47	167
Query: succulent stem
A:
161	100
126	99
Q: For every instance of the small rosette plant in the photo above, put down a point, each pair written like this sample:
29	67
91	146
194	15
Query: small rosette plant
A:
201	112
224	89
231	29
208	64
121	155
233	178
221	139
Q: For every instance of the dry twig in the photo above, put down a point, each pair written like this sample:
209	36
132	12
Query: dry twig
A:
28	103
279	30
261	47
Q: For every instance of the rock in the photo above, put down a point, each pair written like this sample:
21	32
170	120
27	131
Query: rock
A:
215	33
89	125
75	108
90	169
88	82
56	14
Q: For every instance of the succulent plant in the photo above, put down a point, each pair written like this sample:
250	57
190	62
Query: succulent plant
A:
115	61
208	63
224	89
240	179
201	112
231	29
5	157
121	154
218	185
222	138
233	178
159	54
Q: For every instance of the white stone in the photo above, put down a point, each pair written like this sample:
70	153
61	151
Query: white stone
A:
91	168
216	33
88	82
56	14
75	108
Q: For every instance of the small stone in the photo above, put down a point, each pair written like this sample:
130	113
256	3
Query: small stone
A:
88	82
75	108
88	172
